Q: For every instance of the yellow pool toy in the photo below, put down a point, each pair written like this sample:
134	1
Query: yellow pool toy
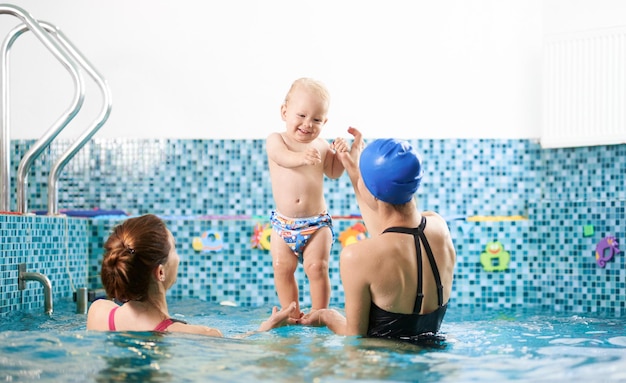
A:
496	218
261	236
356	232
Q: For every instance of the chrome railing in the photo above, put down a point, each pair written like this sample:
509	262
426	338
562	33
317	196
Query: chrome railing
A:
55	171
61	55
24	276
72	59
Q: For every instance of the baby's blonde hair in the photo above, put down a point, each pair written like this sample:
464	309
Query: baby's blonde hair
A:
311	85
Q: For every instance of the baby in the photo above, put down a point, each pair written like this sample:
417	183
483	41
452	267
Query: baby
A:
298	160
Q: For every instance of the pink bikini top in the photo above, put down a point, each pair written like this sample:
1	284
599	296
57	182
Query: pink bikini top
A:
160	327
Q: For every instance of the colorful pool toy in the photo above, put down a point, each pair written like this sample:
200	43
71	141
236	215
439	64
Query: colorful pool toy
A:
494	258
209	241
354	233
606	249
261	236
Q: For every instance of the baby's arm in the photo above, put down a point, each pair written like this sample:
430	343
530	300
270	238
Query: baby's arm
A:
350	157
278	152
333	167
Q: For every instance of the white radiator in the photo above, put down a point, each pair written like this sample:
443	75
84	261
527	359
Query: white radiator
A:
584	89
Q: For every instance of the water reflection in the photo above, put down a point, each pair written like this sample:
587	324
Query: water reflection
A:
292	355
135	357
482	347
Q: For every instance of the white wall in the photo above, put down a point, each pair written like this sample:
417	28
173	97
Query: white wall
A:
565	16
220	69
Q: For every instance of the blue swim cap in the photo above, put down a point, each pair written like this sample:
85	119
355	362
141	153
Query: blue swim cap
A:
391	170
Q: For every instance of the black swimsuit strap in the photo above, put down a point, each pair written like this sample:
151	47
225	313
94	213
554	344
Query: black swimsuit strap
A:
433	264
418	233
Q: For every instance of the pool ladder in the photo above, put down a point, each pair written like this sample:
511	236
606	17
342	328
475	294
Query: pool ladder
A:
67	54
56	42
25	276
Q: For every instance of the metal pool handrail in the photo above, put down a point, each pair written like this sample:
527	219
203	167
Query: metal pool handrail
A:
55	171
53	131
24	276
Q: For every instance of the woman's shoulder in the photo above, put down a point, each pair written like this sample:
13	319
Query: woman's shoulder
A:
434	220
98	314
364	252
102	305
438	233
432	215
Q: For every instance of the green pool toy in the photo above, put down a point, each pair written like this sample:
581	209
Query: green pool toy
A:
494	258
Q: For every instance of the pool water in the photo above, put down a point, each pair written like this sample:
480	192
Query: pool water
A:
492	345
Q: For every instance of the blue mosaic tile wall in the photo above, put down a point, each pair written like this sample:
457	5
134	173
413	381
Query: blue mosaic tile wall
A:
566	274
54	246
238	272
230	177
188	182
169	177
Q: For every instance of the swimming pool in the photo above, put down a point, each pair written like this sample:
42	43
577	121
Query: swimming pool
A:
482	345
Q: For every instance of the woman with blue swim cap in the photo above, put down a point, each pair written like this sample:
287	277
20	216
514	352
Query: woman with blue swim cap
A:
397	282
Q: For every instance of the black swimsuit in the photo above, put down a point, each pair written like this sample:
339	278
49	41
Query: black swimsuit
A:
414	326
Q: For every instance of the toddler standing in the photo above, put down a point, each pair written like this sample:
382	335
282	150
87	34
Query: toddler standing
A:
298	160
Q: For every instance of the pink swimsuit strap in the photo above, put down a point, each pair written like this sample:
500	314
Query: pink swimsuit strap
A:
112	318
160	327
164	325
